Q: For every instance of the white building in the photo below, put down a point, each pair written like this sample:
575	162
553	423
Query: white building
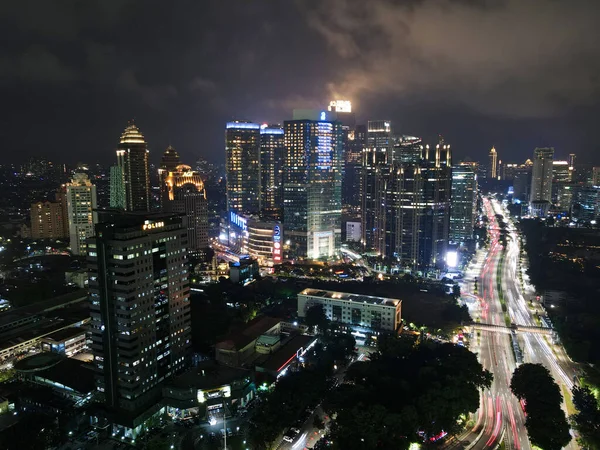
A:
361	311
353	231
81	203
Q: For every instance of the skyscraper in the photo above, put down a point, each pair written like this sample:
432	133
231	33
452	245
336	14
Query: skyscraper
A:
117	188
541	181
140	311
242	167
168	163
312	185
185	194
271	171
562	175
132	158
463	203
493	164
354	144
522	183
81	203
377	155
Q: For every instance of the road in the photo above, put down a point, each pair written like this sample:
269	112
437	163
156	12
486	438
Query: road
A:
500	416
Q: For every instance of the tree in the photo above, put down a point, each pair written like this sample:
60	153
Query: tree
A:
315	317
546	423
587	420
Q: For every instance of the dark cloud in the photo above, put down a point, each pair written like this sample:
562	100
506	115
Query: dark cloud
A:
516	58
506	72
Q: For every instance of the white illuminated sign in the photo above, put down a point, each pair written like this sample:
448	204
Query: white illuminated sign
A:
152	225
340	106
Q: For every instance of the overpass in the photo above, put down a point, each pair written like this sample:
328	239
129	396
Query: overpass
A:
511	328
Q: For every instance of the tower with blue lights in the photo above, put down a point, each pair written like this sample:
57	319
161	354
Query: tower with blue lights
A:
312	184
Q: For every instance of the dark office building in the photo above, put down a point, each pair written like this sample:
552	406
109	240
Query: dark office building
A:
140	311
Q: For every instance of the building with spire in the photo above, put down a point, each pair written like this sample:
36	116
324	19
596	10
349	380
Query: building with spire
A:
493	164
132	158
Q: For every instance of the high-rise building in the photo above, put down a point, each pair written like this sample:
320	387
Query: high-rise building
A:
168	163
493	164
49	220
522	183
541	181
271	171
140	310
562	175
81	203
312	183
572	158
132	158
596	176
117	188
242	167
586	203
354	144
377	156
185	195
463	204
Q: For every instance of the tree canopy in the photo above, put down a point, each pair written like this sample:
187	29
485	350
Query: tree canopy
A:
546	422
406	392
315	317
587	420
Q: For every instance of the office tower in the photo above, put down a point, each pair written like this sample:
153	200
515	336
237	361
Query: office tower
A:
586	204
509	171
185	195
140	310
132	158
271	171
572	158
117	188
522	183
168	163
378	154
312	182
81	203
541	181
463	204
354	143
49	220
562	175
408	150
493	164
242	167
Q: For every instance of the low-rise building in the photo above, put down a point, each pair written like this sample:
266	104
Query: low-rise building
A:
243	271
358	311
68	342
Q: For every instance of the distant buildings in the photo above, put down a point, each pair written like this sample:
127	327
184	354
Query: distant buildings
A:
49	219
132	159
139	302
81	203
464	203
312	185
541	181
242	167
493	164
362	312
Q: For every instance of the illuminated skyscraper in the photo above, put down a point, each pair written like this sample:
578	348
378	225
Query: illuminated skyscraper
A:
169	162
312	182
271	171
463	203
376	156
117	188
541	181
81	203
242	167
132	158
493	164
185	194
140	311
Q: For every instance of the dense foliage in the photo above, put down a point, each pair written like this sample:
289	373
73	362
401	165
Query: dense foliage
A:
546	423
405	393
587	419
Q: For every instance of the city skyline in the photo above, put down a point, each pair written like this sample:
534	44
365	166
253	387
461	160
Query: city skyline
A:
59	64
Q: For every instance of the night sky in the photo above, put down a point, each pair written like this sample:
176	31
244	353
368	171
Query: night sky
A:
511	73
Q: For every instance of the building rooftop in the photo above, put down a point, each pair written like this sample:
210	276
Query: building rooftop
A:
351	297
252	331
63	335
209	375
279	359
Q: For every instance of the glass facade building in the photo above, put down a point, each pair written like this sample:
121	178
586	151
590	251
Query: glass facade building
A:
312	186
132	158
463	204
271	171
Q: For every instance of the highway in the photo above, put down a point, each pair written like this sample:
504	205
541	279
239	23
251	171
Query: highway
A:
491	277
